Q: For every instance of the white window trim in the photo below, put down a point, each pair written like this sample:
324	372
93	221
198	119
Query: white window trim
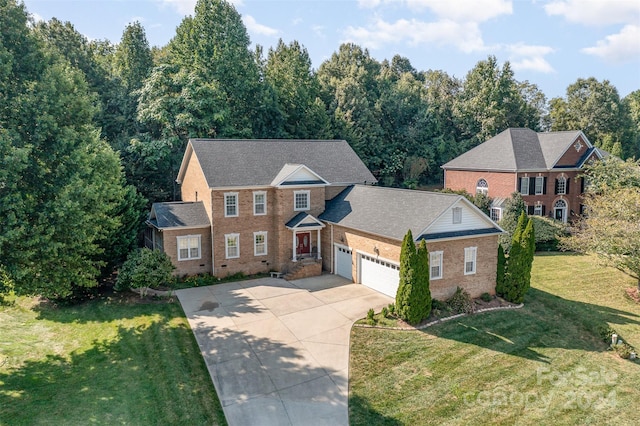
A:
255	245
482	189
308	194
255	193
231	194
188	239
499	215
457	215
226	245
432	255
522	186
470	255
562	181
537	210
541	180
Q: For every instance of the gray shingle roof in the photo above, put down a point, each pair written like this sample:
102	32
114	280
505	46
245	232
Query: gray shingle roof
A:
516	149
387	212
178	214
236	162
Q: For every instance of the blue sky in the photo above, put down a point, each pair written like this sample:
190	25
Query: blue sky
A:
549	43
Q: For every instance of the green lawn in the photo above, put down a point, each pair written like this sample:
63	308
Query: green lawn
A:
542	364
108	361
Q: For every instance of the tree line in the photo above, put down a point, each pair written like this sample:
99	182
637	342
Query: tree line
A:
91	132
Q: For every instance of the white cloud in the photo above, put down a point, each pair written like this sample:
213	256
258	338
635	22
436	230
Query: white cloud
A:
36	17
255	28
526	57
468	11
465	37
186	7
620	47
596	12
319	30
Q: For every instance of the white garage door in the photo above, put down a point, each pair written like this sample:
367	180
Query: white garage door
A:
343	262
380	275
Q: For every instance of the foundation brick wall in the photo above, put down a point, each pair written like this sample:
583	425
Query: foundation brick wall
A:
189	267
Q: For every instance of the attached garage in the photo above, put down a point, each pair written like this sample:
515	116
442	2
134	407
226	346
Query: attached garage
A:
380	275
343	256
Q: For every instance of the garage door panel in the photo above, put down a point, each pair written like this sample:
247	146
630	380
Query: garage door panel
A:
380	275
344	262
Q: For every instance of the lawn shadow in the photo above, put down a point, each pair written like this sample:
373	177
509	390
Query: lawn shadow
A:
365	415
146	374
546	321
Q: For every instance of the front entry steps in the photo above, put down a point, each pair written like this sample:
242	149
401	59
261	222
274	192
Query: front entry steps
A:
304	268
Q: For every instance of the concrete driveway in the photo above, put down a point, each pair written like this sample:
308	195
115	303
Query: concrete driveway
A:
278	351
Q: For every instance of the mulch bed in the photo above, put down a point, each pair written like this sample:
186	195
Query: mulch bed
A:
634	294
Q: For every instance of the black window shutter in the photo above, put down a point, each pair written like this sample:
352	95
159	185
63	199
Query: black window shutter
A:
581	185
543	208
519	184
530	210
566	187
532	186
556	187
544	185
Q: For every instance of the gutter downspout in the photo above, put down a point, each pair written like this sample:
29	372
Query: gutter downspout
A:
332	250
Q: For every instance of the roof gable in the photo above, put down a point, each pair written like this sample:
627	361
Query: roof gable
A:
304	220
297	174
518	149
178	215
258	162
471	219
390	212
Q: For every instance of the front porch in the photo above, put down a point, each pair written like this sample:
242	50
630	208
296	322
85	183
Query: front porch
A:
306	239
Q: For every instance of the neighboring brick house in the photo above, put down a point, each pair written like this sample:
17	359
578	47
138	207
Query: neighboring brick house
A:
544	167
298	207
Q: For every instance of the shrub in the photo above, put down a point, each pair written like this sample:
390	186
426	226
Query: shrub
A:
438	304
461	302
623	350
502	262
548	233
486	297
370	314
392	308
385	312
517	278
145	268
6	284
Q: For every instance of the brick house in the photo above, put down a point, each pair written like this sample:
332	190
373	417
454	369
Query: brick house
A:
543	167
300	207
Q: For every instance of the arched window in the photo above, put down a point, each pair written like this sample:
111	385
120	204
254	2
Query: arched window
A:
482	187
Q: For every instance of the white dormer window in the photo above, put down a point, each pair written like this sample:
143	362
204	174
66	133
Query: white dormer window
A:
301	200
259	203
230	204
457	214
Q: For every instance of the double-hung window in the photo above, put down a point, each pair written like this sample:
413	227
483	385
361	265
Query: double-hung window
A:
260	243
188	247
232	246
435	265
470	260
259	203
301	200
231	204
539	185
524	185
561	185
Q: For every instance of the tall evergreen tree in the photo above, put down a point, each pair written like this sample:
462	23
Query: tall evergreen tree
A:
518	267
413	298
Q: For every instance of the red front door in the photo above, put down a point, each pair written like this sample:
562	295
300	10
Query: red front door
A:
303	243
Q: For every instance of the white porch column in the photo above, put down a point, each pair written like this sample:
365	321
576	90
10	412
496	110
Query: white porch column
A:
294	247
319	246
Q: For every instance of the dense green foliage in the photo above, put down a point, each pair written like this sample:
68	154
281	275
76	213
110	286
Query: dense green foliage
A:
68	103
413	298
145	268
517	271
500	270
610	228
65	207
